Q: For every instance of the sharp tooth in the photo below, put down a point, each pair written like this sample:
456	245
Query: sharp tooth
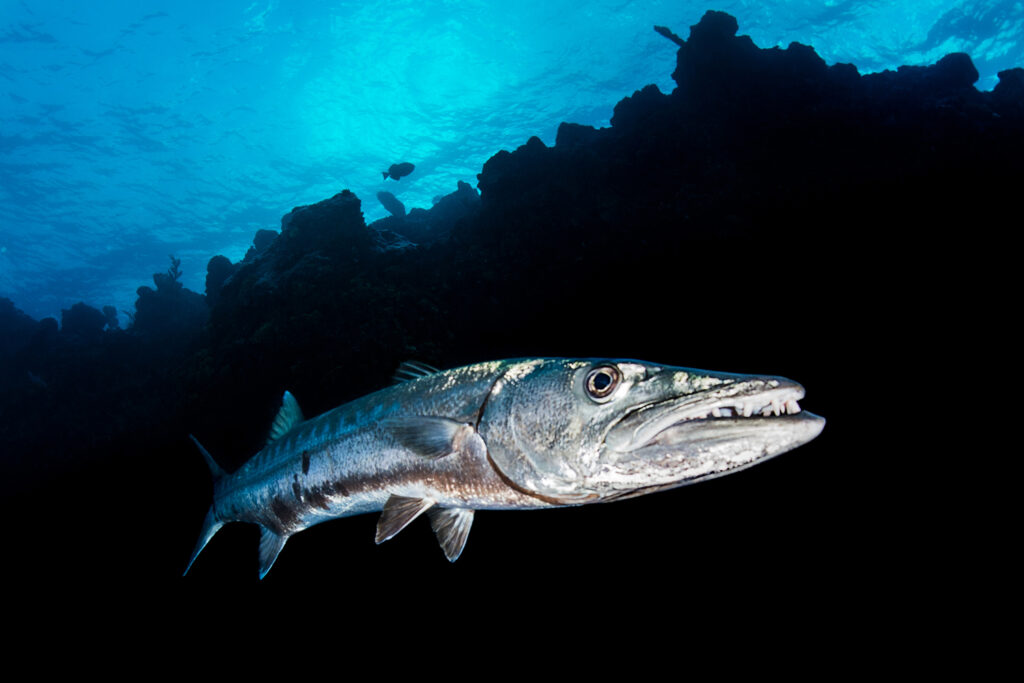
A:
776	407
748	409
792	407
717	412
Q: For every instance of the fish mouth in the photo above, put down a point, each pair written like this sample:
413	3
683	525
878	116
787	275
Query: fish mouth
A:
758	404
704	435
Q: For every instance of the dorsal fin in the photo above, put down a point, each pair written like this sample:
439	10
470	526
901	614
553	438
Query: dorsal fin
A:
411	369
452	528
397	513
289	416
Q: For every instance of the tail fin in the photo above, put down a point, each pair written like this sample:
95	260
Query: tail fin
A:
211	524
385	174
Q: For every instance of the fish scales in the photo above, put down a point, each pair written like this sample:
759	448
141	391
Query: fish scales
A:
354	464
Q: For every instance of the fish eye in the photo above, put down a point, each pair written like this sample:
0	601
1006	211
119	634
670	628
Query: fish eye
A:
601	381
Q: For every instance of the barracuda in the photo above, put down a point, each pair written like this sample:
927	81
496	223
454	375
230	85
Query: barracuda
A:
503	435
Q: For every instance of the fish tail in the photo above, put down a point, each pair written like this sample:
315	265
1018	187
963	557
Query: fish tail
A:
211	524
385	174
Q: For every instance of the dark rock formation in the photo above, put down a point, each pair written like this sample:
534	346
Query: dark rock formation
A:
170	312
1008	95
16	329
260	241
82	321
110	316
334	226
263	239
218	270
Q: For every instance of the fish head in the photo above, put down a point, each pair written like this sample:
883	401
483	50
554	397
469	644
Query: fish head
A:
577	431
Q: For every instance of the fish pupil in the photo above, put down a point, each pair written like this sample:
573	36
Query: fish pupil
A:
602	381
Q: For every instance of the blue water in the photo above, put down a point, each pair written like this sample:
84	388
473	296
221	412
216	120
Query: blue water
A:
131	131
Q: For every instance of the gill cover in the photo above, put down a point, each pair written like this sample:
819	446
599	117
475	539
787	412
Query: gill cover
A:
545	421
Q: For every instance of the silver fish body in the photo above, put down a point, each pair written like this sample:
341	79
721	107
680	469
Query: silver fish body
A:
511	434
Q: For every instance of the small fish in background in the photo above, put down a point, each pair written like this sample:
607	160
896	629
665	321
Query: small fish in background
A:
667	32
391	203
397	171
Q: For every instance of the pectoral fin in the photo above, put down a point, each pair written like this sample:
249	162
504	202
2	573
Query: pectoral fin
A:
435	437
397	514
452	528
